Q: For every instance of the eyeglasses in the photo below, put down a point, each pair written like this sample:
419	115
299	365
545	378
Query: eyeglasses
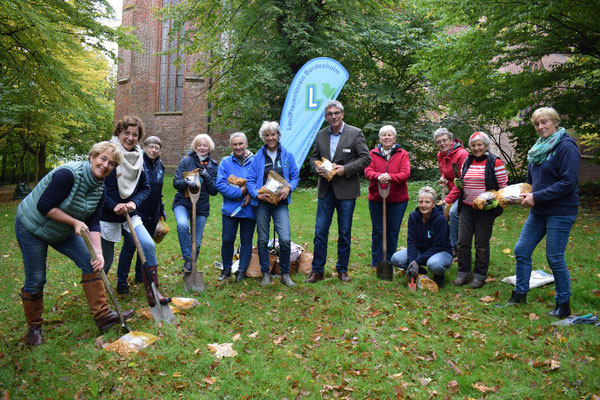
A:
442	141
332	113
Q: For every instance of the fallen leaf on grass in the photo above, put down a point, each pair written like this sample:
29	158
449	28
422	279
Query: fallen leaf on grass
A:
487	299
253	335
236	337
397	376
533	317
425	381
403	329
507	251
222	350
454	367
483	388
452	387
596	292
210	380
279	339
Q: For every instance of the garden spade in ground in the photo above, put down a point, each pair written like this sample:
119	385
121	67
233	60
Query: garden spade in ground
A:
160	312
124	327
385	269
194	280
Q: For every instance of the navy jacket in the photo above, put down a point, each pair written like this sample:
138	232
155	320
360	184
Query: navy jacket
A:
427	238
152	208
141	192
554	182
189	163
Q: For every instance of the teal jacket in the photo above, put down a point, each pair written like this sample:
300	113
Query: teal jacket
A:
79	204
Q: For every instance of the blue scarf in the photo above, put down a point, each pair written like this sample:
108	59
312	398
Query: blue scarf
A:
538	153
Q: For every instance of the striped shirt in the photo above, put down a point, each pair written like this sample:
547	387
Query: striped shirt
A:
474	179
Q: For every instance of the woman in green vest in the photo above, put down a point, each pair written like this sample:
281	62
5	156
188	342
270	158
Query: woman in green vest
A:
66	202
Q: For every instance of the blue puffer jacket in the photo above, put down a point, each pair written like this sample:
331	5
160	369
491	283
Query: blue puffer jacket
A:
189	163
427	238
257	171
232	195
141	193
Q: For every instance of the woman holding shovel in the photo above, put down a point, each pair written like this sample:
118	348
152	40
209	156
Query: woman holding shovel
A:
390	166
196	171
428	241
126	188
64	204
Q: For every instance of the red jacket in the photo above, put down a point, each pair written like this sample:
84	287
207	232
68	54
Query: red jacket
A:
457	155
398	167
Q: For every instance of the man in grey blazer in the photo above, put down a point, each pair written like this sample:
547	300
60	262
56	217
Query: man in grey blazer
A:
345	146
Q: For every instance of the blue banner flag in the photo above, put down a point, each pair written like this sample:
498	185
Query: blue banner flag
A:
316	83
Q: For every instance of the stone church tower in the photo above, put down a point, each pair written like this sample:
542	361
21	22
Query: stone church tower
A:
169	99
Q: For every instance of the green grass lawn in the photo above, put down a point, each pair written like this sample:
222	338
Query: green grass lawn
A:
367	339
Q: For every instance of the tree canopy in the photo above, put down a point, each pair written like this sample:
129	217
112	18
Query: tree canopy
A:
53	69
492	63
253	50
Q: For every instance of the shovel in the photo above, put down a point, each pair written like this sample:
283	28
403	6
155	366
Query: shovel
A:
385	269
194	281
160	312
124	327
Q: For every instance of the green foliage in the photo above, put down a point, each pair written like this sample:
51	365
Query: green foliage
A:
254	49
367	339
53	88
491	63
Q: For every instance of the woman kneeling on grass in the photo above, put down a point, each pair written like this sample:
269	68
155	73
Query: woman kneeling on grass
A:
428	240
65	203
552	172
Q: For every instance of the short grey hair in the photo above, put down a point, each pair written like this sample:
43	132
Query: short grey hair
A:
238	134
269	126
387	128
480	136
428	191
336	104
153	140
441	132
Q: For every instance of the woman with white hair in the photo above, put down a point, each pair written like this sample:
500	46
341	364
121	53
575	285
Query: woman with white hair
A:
481	171
236	211
427	241
390	165
451	152
272	157
552	172
198	157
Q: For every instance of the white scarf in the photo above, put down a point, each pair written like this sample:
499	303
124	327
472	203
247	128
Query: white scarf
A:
130	170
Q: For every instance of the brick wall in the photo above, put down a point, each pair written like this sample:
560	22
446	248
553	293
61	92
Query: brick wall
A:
138	85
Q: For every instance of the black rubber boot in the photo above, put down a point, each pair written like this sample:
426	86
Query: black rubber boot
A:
515	298
439	280
561	311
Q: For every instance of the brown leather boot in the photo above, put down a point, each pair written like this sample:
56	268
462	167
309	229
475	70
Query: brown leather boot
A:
96	298
33	305
314	277
154	273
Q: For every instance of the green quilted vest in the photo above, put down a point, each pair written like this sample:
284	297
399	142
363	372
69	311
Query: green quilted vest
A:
79	204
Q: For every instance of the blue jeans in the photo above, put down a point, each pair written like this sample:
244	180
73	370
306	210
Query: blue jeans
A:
281	220
556	228
325	208
183	217
395	214
454	224
437	264
108	250
35	250
230	228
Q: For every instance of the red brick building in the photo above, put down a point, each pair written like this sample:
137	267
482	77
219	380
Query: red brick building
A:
170	99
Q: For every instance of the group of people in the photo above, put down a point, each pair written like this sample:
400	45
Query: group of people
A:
119	179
